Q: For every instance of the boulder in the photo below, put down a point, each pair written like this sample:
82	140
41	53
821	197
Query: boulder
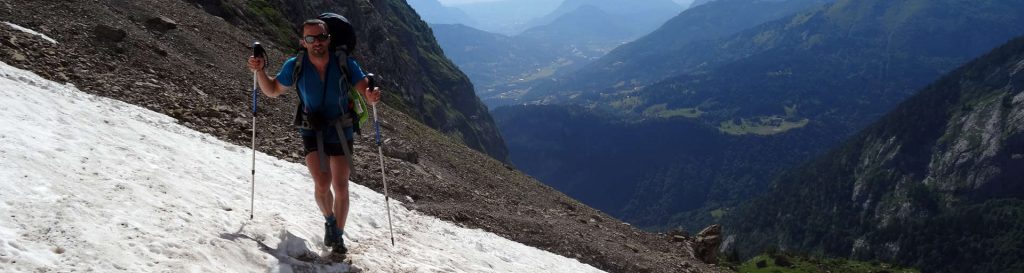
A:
105	33
398	149
783	261
679	235
161	24
707	243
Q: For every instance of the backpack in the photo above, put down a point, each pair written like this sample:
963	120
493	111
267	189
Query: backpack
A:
354	113
343	42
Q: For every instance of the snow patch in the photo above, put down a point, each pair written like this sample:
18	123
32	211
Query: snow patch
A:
91	184
30	31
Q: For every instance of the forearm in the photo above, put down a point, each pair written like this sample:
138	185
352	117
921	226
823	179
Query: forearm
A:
271	87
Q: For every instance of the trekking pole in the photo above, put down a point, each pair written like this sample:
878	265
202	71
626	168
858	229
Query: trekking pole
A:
380	154
257	52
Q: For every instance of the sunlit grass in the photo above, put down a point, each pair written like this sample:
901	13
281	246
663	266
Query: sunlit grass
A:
661	111
764	126
781	263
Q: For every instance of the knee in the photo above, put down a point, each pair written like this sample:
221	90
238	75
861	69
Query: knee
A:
341	186
322	187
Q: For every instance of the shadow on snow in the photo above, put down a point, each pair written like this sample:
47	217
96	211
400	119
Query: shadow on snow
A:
294	253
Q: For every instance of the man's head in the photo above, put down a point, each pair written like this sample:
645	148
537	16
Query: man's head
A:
315	37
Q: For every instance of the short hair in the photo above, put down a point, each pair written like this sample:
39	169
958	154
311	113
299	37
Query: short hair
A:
313	22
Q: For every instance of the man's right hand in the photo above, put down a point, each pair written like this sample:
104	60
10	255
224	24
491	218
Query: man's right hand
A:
256	64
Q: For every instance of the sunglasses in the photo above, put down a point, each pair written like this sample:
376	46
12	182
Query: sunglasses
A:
313	38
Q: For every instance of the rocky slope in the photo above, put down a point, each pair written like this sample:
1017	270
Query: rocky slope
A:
174	57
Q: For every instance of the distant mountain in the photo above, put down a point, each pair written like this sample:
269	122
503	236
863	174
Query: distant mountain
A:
696	3
764	100
570	37
666	52
642	16
491	59
581	32
432	12
938	183
684	3
507	17
843	64
587	30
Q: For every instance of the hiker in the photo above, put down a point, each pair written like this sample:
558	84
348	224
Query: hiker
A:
323	100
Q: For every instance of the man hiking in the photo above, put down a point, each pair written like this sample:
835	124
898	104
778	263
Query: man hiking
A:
324	101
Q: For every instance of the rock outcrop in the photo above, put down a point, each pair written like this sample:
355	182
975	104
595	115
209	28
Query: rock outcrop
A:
707	243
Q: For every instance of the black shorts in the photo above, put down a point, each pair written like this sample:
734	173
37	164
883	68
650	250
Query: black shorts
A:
332	149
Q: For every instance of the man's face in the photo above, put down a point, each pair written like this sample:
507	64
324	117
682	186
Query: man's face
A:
317	47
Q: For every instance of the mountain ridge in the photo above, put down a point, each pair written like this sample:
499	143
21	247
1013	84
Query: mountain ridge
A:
654	10
663	52
433	12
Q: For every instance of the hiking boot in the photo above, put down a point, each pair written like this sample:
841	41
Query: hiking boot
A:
339	246
330	231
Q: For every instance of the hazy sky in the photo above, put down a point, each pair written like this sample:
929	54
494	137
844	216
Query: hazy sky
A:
684	3
459	2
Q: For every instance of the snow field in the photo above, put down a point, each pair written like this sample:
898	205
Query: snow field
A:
90	184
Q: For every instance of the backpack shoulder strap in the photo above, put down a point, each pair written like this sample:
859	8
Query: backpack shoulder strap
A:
343	64
344	86
357	109
300	120
297	71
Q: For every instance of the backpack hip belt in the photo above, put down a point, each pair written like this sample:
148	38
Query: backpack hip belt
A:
339	126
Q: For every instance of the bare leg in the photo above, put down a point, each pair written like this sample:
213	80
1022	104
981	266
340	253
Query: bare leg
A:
322	182
340	173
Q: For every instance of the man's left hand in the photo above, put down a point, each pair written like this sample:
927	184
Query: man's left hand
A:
373	95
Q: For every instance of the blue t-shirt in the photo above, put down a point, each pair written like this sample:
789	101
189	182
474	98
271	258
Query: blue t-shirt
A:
327	103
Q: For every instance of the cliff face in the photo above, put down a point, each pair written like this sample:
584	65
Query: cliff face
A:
976	150
973	153
941	174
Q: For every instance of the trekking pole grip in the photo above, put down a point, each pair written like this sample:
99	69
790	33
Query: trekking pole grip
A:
257	52
371	80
